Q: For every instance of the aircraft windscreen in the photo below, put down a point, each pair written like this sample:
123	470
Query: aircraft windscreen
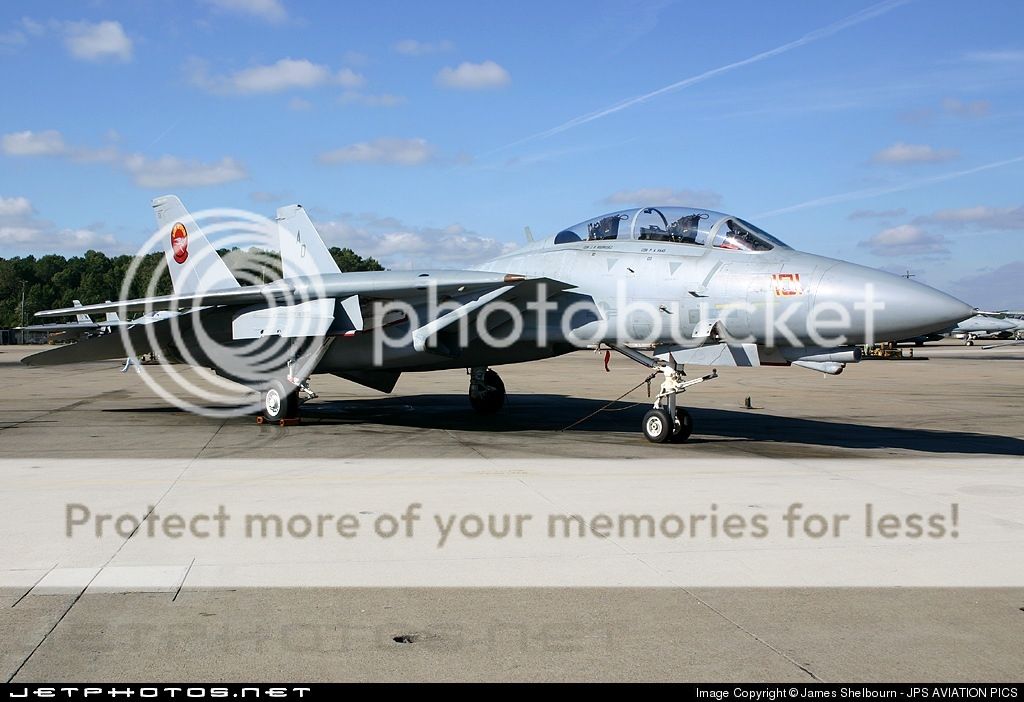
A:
676	225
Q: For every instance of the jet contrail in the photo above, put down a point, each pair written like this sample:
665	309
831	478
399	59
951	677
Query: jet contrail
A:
815	35
886	189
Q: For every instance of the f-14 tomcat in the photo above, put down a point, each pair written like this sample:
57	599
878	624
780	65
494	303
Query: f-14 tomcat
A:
664	286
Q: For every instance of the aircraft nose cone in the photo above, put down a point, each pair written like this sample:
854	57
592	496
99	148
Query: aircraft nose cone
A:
902	308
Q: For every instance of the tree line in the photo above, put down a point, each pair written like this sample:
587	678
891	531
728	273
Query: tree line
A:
53	281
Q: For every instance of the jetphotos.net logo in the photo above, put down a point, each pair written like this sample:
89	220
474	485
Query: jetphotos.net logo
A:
233	310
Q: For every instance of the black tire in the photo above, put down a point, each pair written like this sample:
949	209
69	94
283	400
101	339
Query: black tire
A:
683	426
487	397
280	402
657	426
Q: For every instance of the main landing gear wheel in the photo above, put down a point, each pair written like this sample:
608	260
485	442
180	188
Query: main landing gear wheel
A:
280	402
486	391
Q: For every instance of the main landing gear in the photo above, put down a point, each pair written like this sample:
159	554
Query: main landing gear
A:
486	391
665	422
281	398
280	401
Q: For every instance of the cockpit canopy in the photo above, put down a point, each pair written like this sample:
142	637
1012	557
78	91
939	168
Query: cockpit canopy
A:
674	225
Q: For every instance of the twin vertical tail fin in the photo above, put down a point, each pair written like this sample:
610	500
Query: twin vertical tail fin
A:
303	252
193	262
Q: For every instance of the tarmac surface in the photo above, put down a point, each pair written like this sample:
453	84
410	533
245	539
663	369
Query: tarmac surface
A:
962	403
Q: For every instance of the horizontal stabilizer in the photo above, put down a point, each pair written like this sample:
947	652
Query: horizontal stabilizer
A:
97	348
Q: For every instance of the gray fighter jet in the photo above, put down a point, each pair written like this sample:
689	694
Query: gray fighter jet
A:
664	286
983	326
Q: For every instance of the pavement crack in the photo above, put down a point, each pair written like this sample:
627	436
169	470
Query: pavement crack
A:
38	580
55	625
752	635
183	579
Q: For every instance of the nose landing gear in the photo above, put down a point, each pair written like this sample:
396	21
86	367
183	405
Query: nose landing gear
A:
665	422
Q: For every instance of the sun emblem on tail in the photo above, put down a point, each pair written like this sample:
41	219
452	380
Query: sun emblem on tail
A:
179	242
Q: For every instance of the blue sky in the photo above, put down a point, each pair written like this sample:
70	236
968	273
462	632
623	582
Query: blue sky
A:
889	134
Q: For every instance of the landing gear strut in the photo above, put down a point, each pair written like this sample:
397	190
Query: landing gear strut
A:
281	398
667	423
486	391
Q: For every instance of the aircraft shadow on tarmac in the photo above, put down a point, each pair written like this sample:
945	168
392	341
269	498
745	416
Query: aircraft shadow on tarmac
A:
553	413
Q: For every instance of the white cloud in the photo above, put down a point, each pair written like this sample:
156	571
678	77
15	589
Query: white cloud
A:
32	27
905	240
877	214
29	143
665	196
414	47
399	245
913	153
265	196
982	217
49	239
15	206
21	229
163	172
386	150
97	41
12	39
992	289
285	74
267	10
353	97
347	78
173	172
355	58
972	108
473	76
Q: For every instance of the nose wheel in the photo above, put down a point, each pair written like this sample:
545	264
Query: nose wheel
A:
660	427
667	423
486	391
